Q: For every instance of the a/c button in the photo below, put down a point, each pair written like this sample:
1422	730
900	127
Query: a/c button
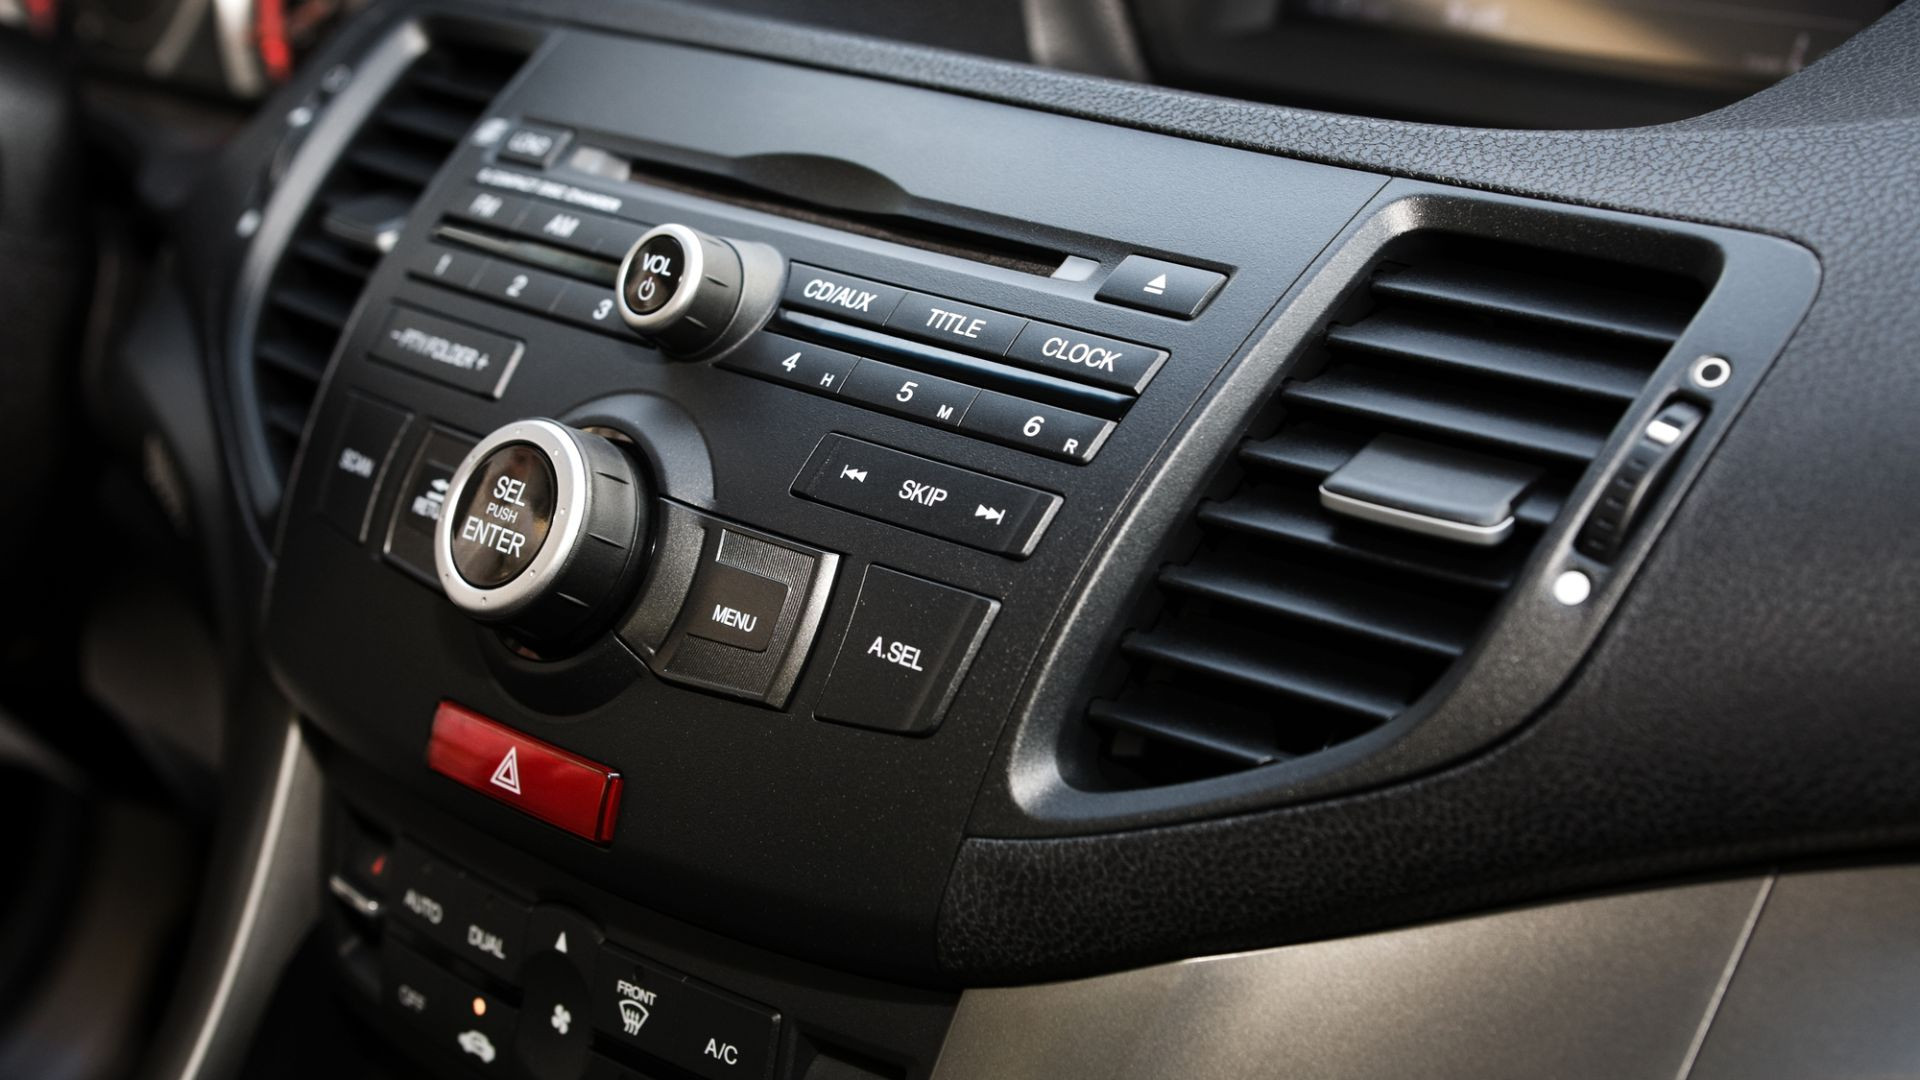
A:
906	650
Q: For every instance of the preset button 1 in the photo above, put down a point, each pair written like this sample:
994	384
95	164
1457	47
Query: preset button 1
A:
906	650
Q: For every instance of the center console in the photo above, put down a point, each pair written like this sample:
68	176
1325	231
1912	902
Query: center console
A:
720	450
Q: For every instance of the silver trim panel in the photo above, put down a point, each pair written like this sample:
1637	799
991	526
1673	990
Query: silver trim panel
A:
1594	989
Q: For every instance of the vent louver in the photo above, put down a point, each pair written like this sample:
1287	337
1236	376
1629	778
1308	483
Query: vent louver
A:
333	251
1284	628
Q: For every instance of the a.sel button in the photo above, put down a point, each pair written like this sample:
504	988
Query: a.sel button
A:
908	393
905	653
927	496
956	325
1116	365
1043	429
840	295
681	1022
461	356
796	363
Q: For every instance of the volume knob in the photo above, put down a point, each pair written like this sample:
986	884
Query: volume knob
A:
680	288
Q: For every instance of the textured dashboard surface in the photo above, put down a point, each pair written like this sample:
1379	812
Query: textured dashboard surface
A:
1754	697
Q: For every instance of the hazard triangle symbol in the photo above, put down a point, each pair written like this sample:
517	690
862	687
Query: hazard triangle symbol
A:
507	773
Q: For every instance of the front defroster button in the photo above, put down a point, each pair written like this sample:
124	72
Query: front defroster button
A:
906	650
559	788
682	1022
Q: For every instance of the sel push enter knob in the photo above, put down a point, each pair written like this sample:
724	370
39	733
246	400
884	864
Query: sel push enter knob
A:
545	530
680	288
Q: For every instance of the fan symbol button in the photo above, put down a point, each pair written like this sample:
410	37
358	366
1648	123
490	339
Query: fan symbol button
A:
561	1019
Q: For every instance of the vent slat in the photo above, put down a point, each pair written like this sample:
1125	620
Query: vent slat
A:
1243	662
1306	447
1440	408
291	358
1428	340
451	81
444	126
326	308
1500	291
320	251
1239	747
1331	603
1307	526
394	164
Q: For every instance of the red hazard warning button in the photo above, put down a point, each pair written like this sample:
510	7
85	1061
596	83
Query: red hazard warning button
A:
553	785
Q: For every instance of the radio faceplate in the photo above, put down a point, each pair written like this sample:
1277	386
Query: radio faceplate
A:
1051	320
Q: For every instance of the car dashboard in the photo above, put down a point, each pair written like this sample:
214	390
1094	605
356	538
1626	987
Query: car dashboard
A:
1082	539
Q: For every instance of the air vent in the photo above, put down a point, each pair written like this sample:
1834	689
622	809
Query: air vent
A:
353	220
1285	627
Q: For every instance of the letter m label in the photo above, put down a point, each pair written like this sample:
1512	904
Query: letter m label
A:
945	412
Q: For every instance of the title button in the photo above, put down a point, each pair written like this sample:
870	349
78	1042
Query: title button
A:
956	325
